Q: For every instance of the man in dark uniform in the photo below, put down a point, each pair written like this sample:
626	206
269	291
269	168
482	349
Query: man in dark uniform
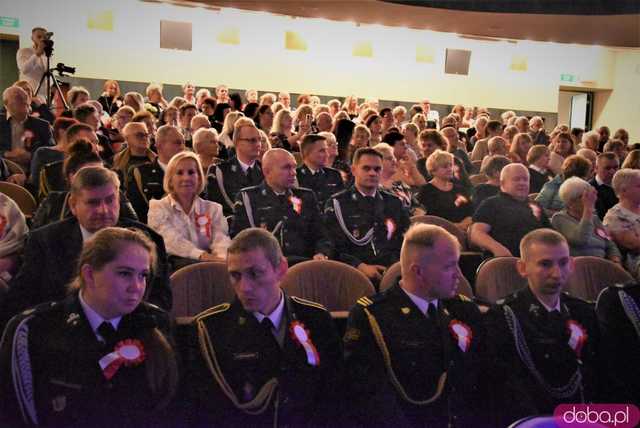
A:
225	180
366	224
412	351
618	310
543	341
145	181
290	213
267	359
314	173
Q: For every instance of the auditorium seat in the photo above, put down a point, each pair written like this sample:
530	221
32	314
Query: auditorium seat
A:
393	273
200	286
477	179
21	196
498	277
535	422
592	275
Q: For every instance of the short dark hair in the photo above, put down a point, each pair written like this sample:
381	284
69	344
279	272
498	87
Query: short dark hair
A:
62	124
308	142
607	156
80	153
365	151
383	111
540	236
392	137
495	164
576	166
83	111
184	107
74	129
494	126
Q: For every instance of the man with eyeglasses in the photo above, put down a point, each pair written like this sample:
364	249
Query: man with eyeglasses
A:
145	181
606	166
225	180
137	151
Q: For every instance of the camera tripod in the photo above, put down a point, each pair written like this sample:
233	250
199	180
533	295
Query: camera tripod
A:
48	77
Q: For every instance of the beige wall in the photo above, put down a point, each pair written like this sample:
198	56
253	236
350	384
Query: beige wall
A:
130	51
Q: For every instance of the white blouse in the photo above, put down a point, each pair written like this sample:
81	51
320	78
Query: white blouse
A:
190	234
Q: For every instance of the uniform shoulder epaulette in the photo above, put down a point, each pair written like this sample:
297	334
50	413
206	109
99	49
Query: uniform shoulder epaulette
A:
308	303
462	298
212	311
623	285
341	193
301	190
154	307
364	301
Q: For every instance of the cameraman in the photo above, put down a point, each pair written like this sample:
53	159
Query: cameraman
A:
32	62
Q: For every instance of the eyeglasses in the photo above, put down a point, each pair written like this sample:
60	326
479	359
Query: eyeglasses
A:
250	140
140	135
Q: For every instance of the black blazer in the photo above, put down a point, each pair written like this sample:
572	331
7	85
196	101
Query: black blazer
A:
606	198
40	128
50	257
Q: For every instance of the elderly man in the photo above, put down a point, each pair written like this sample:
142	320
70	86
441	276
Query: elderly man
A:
32	62
225	179
607	164
285	99
314	173
21	134
501	221
51	251
144	182
537	132
543	342
277	357
366	224
137	151
411	352
623	219
291	213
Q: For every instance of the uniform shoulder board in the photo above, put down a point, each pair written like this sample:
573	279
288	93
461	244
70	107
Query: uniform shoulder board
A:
623	285
463	298
301	190
500	302
308	303
341	194
212	311
364	301
153	307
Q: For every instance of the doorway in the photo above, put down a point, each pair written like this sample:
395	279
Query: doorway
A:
575	109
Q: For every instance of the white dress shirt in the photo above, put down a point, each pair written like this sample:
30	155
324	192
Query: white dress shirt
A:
183	237
95	319
276	320
421	303
32	67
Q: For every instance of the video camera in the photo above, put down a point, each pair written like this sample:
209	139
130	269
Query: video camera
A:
48	43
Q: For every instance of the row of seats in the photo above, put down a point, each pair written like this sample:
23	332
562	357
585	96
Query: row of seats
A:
338	286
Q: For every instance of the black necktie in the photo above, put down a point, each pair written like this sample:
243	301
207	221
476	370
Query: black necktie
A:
108	333
267	325
432	312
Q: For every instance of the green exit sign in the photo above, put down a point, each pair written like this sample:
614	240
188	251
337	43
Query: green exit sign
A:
568	78
8	22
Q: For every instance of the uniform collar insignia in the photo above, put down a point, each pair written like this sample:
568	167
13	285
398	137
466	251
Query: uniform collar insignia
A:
534	309
73	318
242	320
234	168
405	310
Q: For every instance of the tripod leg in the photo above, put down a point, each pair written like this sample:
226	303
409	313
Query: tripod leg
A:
56	86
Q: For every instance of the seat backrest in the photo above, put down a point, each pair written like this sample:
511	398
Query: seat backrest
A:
21	196
497	278
13	167
592	274
335	285
445	224
393	273
535	422
200	286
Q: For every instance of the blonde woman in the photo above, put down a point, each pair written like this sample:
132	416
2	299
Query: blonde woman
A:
193	229
226	135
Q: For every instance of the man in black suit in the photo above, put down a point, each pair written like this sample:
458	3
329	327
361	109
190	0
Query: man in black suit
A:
21	134
266	359
225	180
51	252
607	164
314	173
145	181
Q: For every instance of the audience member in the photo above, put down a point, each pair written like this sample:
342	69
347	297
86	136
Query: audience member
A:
501	221
185	114
226	135
537	132
225	179
145	181
617	147
603	138
21	134
538	165
365	224
111	97
579	223
434	381
632	160
290	213
222	93
193	229
207	147
188	92
549	197
543	343
86	113
561	148
606	166
314	173
48	154
55	207
388	181
13	231
520	146
155	99
102	320
51	251
491	187
137	151
623	219
442	197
